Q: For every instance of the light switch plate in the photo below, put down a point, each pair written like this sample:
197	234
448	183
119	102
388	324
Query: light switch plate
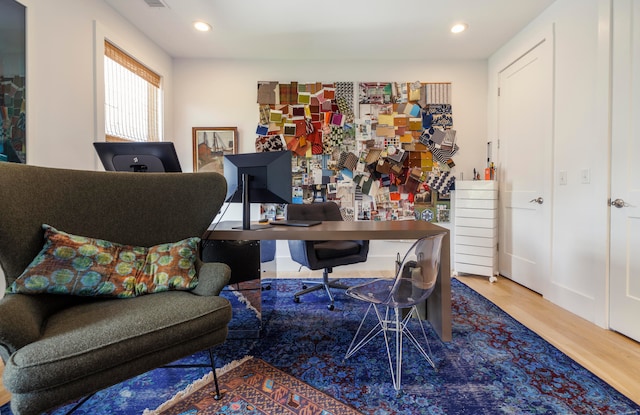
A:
562	177
585	176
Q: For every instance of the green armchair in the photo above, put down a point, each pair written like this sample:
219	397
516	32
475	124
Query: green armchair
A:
58	348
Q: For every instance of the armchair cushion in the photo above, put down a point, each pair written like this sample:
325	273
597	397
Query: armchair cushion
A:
99	335
84	266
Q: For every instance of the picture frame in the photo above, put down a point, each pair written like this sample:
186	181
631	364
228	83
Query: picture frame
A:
210	145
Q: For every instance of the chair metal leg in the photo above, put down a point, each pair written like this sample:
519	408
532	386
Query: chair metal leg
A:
79	404
414	312
217	396
391	322
212	365
325	284
354	347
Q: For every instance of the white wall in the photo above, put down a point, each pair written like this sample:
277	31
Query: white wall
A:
222	93
61	87
580	222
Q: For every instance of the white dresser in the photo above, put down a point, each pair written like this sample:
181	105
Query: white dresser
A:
476	228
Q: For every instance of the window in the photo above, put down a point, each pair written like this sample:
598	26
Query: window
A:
132	98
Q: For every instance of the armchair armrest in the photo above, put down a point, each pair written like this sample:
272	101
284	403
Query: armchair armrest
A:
22	317
212	278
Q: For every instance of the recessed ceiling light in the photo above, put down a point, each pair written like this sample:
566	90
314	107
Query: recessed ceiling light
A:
202	26
459	27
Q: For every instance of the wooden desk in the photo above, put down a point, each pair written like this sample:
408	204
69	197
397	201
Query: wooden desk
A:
439	303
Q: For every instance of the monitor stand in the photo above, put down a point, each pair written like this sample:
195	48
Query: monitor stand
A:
246	208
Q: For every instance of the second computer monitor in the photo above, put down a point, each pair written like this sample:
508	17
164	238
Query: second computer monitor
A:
258	178
144	157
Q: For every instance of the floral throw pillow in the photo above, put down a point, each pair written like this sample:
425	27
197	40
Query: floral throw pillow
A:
78	265
169	266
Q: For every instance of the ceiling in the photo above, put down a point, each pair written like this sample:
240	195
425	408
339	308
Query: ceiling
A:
330	29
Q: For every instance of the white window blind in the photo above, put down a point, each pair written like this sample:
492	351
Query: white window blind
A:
132	98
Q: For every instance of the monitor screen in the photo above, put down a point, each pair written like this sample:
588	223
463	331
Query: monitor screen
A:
143	157
268	175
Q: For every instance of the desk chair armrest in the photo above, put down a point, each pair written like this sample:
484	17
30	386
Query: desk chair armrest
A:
212	278
302	252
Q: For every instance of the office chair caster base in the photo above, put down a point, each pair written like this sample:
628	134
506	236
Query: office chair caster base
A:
296	299
331	307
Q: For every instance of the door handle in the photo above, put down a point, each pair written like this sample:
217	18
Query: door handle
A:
619	203
538	200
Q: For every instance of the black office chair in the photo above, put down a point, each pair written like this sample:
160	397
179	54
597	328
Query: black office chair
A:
323	254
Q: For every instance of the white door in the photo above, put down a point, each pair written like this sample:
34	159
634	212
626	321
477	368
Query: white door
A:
625	172
525	140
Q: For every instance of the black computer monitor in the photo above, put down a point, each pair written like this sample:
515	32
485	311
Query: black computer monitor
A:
258	178
145	157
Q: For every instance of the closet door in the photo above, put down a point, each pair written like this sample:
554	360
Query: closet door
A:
625	171
525	139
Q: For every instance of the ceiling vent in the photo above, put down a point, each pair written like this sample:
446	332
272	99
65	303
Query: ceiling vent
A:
155	3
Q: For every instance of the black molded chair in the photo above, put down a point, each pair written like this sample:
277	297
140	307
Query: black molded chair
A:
323	254
414	282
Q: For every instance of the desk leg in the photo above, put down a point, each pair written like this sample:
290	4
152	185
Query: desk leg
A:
439	302
246	300
244	288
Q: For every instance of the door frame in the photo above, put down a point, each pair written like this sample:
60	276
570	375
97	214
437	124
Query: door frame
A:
625	104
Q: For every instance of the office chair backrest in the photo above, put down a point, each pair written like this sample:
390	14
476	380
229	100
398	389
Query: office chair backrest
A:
417	274
329	211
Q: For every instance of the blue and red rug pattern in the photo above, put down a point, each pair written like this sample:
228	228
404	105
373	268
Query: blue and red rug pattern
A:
493	365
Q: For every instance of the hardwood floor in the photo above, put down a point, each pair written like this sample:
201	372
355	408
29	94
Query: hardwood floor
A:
611	356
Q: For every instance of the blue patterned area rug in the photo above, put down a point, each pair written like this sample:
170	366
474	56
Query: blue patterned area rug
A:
493	365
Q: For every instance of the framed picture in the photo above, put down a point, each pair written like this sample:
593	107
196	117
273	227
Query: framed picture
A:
210	144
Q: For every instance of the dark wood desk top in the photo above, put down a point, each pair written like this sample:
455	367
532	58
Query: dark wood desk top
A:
329	230
438	307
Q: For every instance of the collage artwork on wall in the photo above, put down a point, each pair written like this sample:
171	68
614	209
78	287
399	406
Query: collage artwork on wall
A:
383	152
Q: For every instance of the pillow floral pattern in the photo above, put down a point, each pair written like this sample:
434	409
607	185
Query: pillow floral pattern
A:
78	265
169	266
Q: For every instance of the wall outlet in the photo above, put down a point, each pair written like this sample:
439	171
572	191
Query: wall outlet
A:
585	176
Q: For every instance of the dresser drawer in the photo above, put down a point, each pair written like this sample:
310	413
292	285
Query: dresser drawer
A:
475	250
476	203
481	232
476	241
476	213
477	222
476	194
475	260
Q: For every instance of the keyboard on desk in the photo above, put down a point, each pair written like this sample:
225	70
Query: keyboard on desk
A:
295	222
